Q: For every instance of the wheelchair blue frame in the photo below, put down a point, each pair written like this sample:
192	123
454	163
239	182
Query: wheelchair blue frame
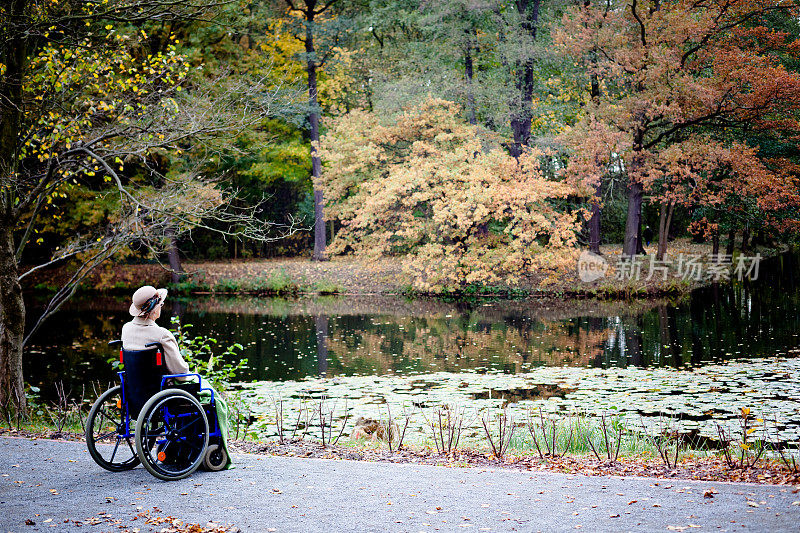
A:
210	408
162	419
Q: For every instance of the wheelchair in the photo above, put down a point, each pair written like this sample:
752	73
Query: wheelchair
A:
154	419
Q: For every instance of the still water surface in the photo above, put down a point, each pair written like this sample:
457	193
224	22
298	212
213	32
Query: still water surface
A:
377	335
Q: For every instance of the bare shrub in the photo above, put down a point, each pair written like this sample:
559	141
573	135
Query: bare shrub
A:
446	426
612	432
326	417
505	430
546	432
393	431
749	450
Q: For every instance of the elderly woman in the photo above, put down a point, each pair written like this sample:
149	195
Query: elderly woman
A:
143	330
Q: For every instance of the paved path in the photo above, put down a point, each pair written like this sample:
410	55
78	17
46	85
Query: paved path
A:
45	480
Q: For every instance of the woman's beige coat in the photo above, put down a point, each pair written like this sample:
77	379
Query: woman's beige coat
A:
139	332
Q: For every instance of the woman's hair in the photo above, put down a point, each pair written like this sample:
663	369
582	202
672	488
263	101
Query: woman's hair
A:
150	304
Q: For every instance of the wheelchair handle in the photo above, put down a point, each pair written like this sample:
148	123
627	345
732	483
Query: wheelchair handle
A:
158	353
112	343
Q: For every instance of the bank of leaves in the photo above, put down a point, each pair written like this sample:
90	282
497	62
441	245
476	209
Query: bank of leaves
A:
447	197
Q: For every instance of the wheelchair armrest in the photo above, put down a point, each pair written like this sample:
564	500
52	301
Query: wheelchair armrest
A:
165	377
196	387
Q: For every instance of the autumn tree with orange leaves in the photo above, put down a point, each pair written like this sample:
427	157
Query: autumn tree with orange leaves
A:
448	198
682	81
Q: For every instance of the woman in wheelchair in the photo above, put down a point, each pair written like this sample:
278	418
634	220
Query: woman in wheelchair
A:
143	330
180	421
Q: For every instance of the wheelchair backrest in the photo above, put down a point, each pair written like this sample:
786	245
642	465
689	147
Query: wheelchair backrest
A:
143	372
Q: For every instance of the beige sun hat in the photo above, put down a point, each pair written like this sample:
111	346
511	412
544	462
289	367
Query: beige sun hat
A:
142	300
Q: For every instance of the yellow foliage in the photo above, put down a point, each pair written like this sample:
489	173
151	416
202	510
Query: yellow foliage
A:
447	196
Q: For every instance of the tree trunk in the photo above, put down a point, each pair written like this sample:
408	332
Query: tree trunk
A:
14	58
521	104
12	325
173	254
632	242
468	78
731	242
12	307
630	245
594	222
316	163
594	226
746	239
639	240
664	222
521	116
715	247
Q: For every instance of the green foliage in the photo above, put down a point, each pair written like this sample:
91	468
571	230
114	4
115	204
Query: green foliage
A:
328	287
206	358
187	286
402	53
279	283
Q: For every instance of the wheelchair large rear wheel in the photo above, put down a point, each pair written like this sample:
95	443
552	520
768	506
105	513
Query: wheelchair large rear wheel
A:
105	430
172	434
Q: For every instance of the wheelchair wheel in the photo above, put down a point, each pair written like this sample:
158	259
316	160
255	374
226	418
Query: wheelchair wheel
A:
172	434
215	458
105	429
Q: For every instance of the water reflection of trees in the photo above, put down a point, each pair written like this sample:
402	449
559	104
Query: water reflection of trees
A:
75	353
429	345
292	339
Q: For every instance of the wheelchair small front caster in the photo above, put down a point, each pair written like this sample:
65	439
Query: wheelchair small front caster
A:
215	458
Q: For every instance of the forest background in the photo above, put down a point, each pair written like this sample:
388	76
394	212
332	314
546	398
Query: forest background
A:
478	141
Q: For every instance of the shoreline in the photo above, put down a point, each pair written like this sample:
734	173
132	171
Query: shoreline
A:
689	468
349	276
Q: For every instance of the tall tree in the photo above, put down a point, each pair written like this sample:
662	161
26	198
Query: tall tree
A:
597	199
519	27
456	26
680	69
84	114
456	205
311	10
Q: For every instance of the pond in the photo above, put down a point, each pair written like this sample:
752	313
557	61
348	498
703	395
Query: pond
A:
345	342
